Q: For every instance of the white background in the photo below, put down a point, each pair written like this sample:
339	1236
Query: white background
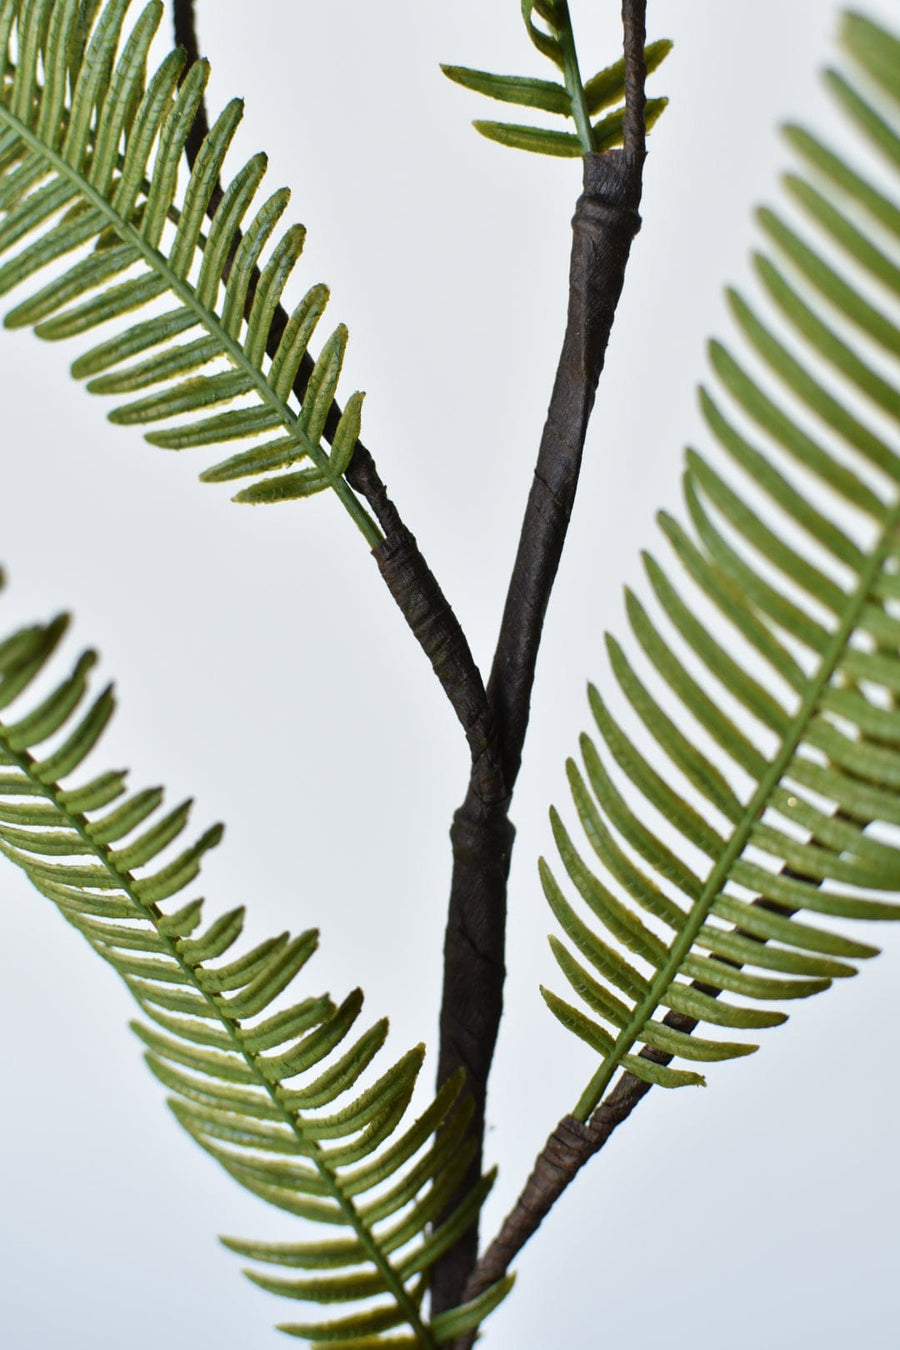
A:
261	667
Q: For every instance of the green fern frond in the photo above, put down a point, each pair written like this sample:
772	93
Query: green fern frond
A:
90	148
580	102
796	544
269	1083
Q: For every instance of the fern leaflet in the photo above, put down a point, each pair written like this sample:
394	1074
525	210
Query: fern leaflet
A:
554	39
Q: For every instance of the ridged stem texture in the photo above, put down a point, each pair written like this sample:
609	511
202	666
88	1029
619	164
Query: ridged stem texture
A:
605	223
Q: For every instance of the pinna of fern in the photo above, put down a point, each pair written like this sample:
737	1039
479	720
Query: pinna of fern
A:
796	544
574	99
272	1085
90	148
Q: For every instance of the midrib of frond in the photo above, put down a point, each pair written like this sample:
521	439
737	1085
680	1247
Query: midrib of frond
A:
124	880
186	294
740	835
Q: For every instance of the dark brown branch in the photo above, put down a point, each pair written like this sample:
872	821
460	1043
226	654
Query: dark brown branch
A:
573	1143
634	131
185	23
405	571
437	631
569	1147
605	223
472	997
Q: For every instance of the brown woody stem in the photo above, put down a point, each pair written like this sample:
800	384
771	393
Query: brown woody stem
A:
573	1143
605	223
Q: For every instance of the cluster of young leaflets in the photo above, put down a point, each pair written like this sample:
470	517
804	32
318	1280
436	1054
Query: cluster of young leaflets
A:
572	99
796	544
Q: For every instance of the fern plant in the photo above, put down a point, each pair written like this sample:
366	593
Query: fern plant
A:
95	189
272	1092
742	800
817	614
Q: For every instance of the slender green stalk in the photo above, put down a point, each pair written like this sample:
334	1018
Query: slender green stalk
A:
574	85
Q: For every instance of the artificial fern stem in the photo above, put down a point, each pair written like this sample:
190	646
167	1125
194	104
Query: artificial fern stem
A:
634	17
605	224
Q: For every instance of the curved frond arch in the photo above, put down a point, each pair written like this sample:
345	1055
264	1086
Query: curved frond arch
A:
96	223
281	1086
769	682
549	26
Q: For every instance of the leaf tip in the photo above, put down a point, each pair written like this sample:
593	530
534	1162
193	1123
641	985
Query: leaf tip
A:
212	837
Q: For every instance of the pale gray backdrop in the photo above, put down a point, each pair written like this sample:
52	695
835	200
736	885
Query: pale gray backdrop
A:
262	668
